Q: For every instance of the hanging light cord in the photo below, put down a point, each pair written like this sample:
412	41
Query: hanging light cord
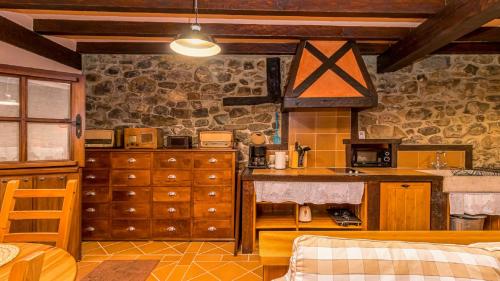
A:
195	5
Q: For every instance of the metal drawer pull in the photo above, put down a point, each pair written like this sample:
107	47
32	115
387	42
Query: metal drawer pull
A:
212	210
172	194
212	193
41	178
90	177
61	178
90	210
212	160
131	193
171	229
131	177
26	180
212	228
172	159
171	210
172	177
90	193
212	177
405	185
130	228
5	180
132	160
91	160
131	210
90	229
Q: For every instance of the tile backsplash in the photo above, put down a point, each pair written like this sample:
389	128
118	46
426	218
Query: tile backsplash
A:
323	131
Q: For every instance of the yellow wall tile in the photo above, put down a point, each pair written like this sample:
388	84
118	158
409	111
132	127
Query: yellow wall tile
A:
326	141
326	125
306	139
425	159
325	159
340	159
408	159
455	159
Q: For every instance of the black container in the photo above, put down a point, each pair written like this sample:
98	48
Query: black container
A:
179	142
257	157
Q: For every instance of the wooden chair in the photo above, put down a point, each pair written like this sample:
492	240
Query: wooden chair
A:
7	214
28	268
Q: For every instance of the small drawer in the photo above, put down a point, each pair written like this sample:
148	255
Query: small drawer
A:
171	194
93	177
215	211
130	229
171	229
172	177
130	160
97	159
217	177
212	229
130	210
24	182
173	160
171	210
213	160
214	194
50	182
95	211
130	177
95	229
130	194
95	194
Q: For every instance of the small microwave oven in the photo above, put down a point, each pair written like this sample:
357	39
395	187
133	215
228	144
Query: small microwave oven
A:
143	138
371	157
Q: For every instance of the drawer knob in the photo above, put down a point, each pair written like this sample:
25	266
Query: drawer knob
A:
131	210
212	210
90	229
61	178
172	159
211	228
26	180
90	210
91	160
172	194
131	228
132	160
131	193
212	177
131	177
171	229
41	178
171	210
405	186
5	180
212	193
90	193
90	177
212	160
172	177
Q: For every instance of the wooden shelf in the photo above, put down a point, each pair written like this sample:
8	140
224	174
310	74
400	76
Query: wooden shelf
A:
325	222
275	221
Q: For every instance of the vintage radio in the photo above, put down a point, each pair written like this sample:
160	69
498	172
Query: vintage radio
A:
143	138
99	138
215	139
179	142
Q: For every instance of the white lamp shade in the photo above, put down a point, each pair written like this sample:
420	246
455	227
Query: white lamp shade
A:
195	47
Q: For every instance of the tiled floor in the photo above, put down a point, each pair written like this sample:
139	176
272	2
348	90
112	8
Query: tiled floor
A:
178	260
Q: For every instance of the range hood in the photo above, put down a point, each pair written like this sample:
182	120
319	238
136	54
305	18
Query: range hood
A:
326	74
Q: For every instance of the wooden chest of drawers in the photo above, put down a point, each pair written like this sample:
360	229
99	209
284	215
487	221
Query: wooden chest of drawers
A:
159	194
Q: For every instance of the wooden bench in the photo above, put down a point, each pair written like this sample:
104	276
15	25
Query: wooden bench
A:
275	247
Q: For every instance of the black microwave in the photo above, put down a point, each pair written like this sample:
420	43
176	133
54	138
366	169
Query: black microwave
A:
371	157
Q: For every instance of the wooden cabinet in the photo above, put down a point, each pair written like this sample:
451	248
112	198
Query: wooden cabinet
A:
405	205
159	194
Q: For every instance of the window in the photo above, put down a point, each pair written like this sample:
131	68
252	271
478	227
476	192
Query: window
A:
35	119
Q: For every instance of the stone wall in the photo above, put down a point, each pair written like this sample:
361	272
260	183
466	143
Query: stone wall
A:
440	100
178	94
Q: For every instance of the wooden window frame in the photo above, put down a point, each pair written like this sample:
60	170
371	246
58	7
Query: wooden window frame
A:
77	107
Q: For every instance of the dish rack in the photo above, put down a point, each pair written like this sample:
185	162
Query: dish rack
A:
478	172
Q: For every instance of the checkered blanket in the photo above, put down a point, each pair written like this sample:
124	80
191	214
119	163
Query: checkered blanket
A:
337	259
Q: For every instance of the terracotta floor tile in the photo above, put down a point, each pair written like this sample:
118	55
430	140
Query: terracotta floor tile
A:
193	271
181	247
259	271
206	247
249	265
123	257
249	277
175	258
108	243
205	277
94	252
228	247
235	258
94	258
163	270
131	251
85	268
203	257
228	271
210	265
168	251
254	258
194	247
118	247
153	247
216	251
150	257
187	259
178	273
90	246
152	278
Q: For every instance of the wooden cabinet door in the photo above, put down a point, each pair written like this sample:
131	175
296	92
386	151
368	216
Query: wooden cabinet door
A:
405	206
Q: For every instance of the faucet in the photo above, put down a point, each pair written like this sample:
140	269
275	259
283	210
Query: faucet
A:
440	157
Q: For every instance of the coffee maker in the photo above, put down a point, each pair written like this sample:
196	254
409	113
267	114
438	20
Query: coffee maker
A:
257	157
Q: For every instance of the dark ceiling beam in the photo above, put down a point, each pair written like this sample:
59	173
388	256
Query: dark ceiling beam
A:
326	8
17	35
163	48
458	18
483	34
470	48
156	29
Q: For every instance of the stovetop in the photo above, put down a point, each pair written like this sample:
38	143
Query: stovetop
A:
345	171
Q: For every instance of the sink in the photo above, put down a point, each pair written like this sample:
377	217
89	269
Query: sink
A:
466	184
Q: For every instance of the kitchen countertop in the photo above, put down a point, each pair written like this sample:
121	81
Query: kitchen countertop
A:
327	174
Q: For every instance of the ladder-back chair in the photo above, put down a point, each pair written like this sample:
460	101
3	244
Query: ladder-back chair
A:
8	214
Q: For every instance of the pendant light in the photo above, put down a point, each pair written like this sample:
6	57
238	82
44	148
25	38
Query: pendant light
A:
195	43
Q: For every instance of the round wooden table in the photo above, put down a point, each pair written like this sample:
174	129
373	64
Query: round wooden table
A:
58	265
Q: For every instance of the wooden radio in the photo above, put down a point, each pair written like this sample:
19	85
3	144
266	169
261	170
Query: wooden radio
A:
143	138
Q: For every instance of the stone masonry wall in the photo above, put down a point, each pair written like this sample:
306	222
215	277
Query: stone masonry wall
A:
448	99
178	94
